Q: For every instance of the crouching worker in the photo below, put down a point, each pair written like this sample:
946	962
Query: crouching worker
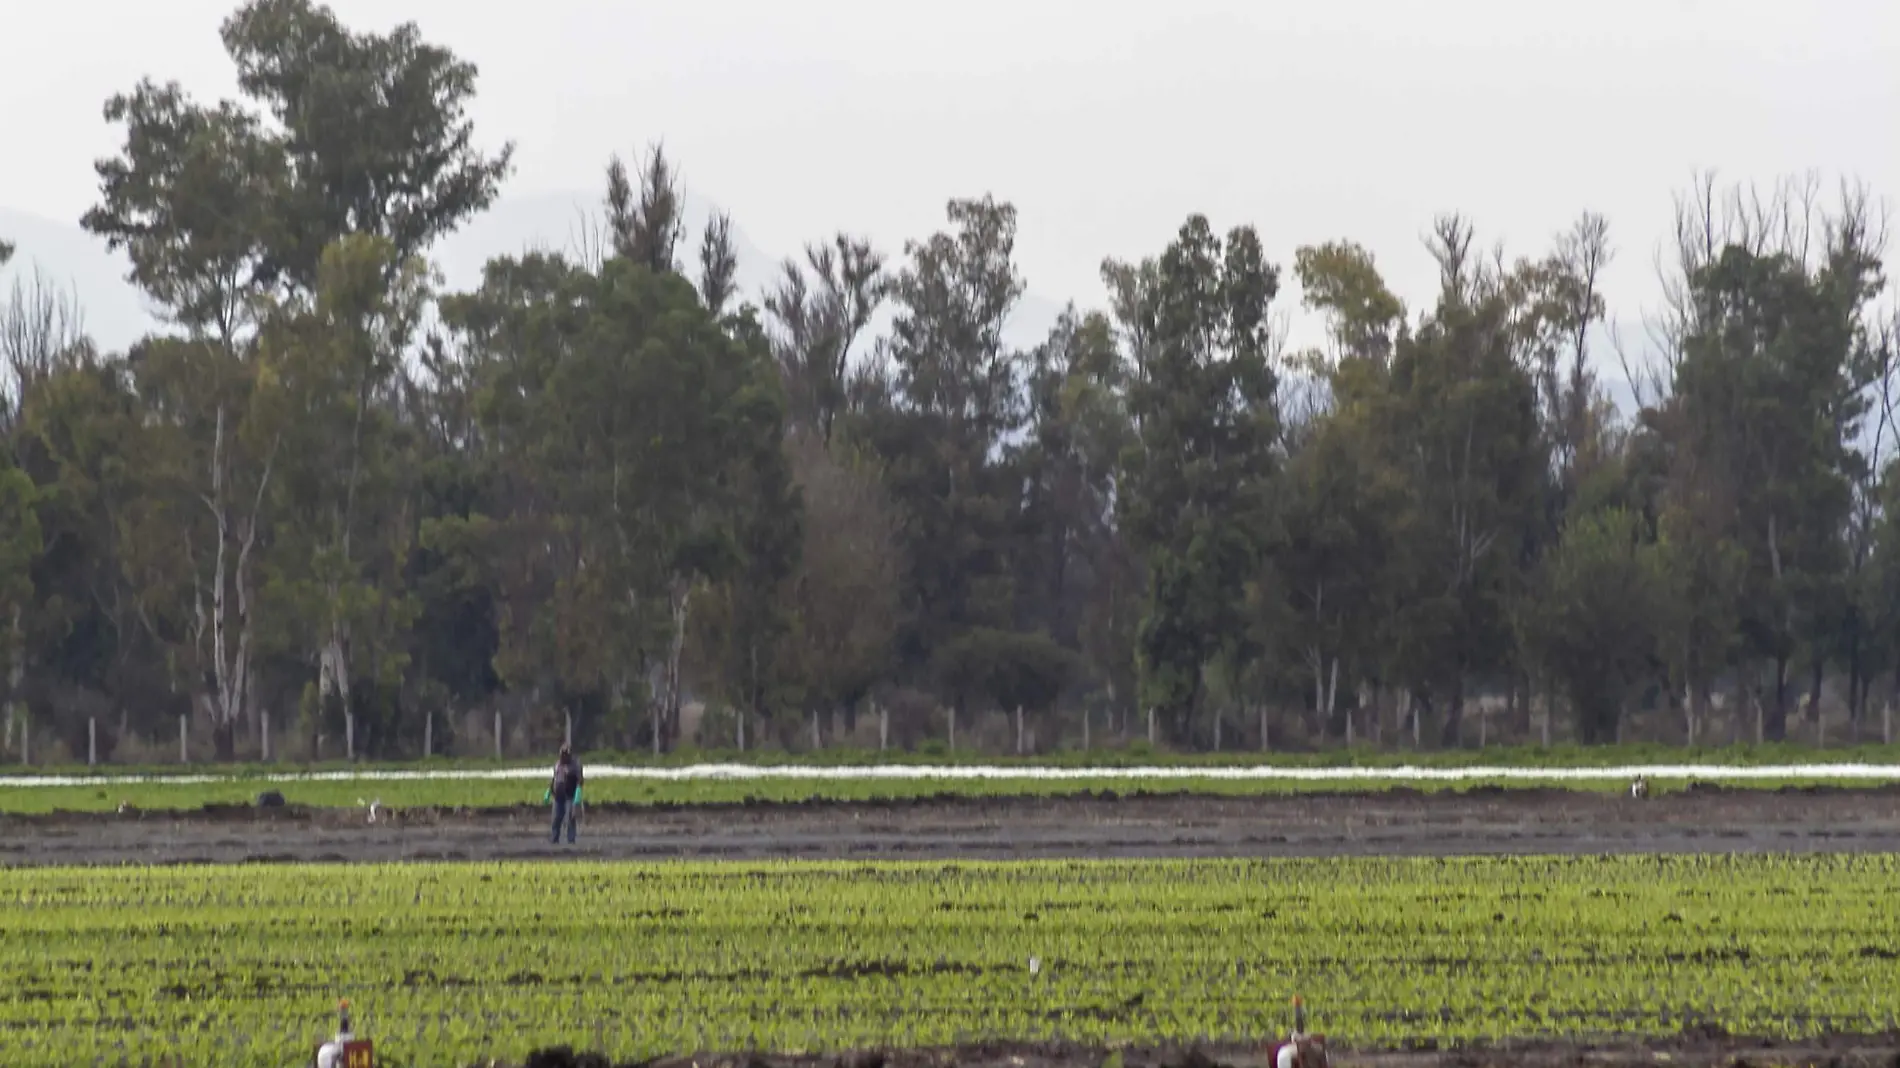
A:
565	792
345	1050
1300	1050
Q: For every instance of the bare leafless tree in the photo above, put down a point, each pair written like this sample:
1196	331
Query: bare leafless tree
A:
42	330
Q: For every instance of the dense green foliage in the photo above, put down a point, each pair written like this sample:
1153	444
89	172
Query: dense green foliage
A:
612	486
448	963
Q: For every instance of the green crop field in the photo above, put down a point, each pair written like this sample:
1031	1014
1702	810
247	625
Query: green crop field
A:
449	963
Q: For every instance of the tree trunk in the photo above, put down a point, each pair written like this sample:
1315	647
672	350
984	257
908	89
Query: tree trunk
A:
1697	709
1856	688
1452	736
1814	696
1775	724
1541	697
669	719
16	668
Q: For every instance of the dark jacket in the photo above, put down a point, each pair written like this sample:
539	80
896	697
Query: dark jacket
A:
567	779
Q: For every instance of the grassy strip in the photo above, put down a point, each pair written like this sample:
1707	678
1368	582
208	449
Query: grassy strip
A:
1134	755
477	793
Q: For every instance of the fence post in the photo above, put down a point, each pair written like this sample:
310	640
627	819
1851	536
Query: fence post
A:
883	728
1019	730
497	734
263	721
92	741
428	735
817	742
741	718
26	738
1151	725
953	727
184	748
349	736
1086	716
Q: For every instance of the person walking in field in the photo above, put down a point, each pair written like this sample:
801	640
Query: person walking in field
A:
565	792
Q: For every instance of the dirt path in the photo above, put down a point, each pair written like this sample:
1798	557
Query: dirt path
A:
1811	819
1701	1051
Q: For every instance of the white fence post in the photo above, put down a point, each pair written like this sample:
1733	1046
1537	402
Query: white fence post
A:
263	723
883	728
498	734
349	736
428	735
184	738
1019	730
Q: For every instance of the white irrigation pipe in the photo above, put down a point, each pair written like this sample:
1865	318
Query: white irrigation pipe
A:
1259	773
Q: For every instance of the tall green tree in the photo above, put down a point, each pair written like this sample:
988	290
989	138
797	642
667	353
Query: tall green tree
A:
1465	420
1604	596
1198	481
955	397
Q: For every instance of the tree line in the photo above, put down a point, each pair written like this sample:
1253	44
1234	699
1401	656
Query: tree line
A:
608	489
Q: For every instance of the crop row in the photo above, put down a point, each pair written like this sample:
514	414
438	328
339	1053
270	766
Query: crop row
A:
448	963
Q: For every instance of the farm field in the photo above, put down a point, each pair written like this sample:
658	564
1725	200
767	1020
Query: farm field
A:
1395	821
448	963
640	791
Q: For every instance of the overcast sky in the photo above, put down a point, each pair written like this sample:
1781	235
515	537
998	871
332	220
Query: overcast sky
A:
1105	121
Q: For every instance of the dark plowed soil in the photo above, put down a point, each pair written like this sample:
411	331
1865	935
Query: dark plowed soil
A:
1397	822
1697	1051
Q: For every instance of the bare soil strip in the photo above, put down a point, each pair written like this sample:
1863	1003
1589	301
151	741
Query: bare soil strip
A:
1687	1051
1486	821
